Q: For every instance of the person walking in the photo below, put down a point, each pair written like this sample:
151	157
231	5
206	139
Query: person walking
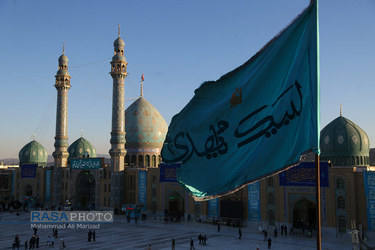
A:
93	235
218	227
25	244
269	243
192	244
149	247
89	236
37	241
239	233
173	244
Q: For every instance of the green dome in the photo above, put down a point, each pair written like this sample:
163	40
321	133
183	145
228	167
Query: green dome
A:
344	143
79	148
33	152
145	127
63	58
119	42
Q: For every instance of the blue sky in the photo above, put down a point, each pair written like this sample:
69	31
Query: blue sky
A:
177	45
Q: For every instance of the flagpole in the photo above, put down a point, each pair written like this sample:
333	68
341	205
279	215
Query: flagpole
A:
317	196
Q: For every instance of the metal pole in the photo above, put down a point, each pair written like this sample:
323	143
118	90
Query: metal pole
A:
317	196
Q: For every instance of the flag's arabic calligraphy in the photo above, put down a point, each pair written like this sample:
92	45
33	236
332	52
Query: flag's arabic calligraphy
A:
272	125
215	144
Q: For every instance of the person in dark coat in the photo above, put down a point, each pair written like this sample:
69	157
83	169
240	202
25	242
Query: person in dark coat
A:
89	235
93	235
25	244
239	233
218	228
269	243
37	241
173	244
192	244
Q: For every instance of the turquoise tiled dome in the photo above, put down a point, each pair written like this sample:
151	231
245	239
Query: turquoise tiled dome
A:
63	58
119	42
33	152
145	127
80	147
344	143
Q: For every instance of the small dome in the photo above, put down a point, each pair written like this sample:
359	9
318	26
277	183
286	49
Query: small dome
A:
145	127
61	72
118	58
344	143
80	148
63	59
119	42
33	152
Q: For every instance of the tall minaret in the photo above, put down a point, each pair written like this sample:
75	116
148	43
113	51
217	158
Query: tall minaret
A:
117	151
62	84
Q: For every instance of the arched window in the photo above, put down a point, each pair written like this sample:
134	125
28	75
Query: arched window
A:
340	184
353	160
340	202
270	182
140	161
147	160
357	160
127	159
153	161
159	159
361	160
134	160
271	199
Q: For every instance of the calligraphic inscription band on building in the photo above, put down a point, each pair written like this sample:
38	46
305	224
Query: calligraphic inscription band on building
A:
168	172
28	170
369	181
213	208
142	182
304	175
86	163
253	201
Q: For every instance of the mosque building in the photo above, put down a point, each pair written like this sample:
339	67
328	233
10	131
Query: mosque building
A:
133	180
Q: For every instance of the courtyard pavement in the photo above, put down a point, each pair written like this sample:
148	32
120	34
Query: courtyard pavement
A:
124	235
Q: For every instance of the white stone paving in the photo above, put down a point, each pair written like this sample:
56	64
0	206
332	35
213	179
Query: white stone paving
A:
123	235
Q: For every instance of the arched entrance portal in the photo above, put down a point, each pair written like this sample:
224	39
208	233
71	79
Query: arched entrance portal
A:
176	206
304	214
85	190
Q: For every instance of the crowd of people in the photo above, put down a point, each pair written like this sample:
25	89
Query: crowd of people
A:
34	241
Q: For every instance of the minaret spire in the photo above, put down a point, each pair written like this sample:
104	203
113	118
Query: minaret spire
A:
64	48
340	109
119	30
142	80
81	132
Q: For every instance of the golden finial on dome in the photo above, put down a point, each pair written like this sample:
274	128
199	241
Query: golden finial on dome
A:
142	79
340	109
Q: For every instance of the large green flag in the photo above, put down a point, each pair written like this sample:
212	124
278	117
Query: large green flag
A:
253	121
